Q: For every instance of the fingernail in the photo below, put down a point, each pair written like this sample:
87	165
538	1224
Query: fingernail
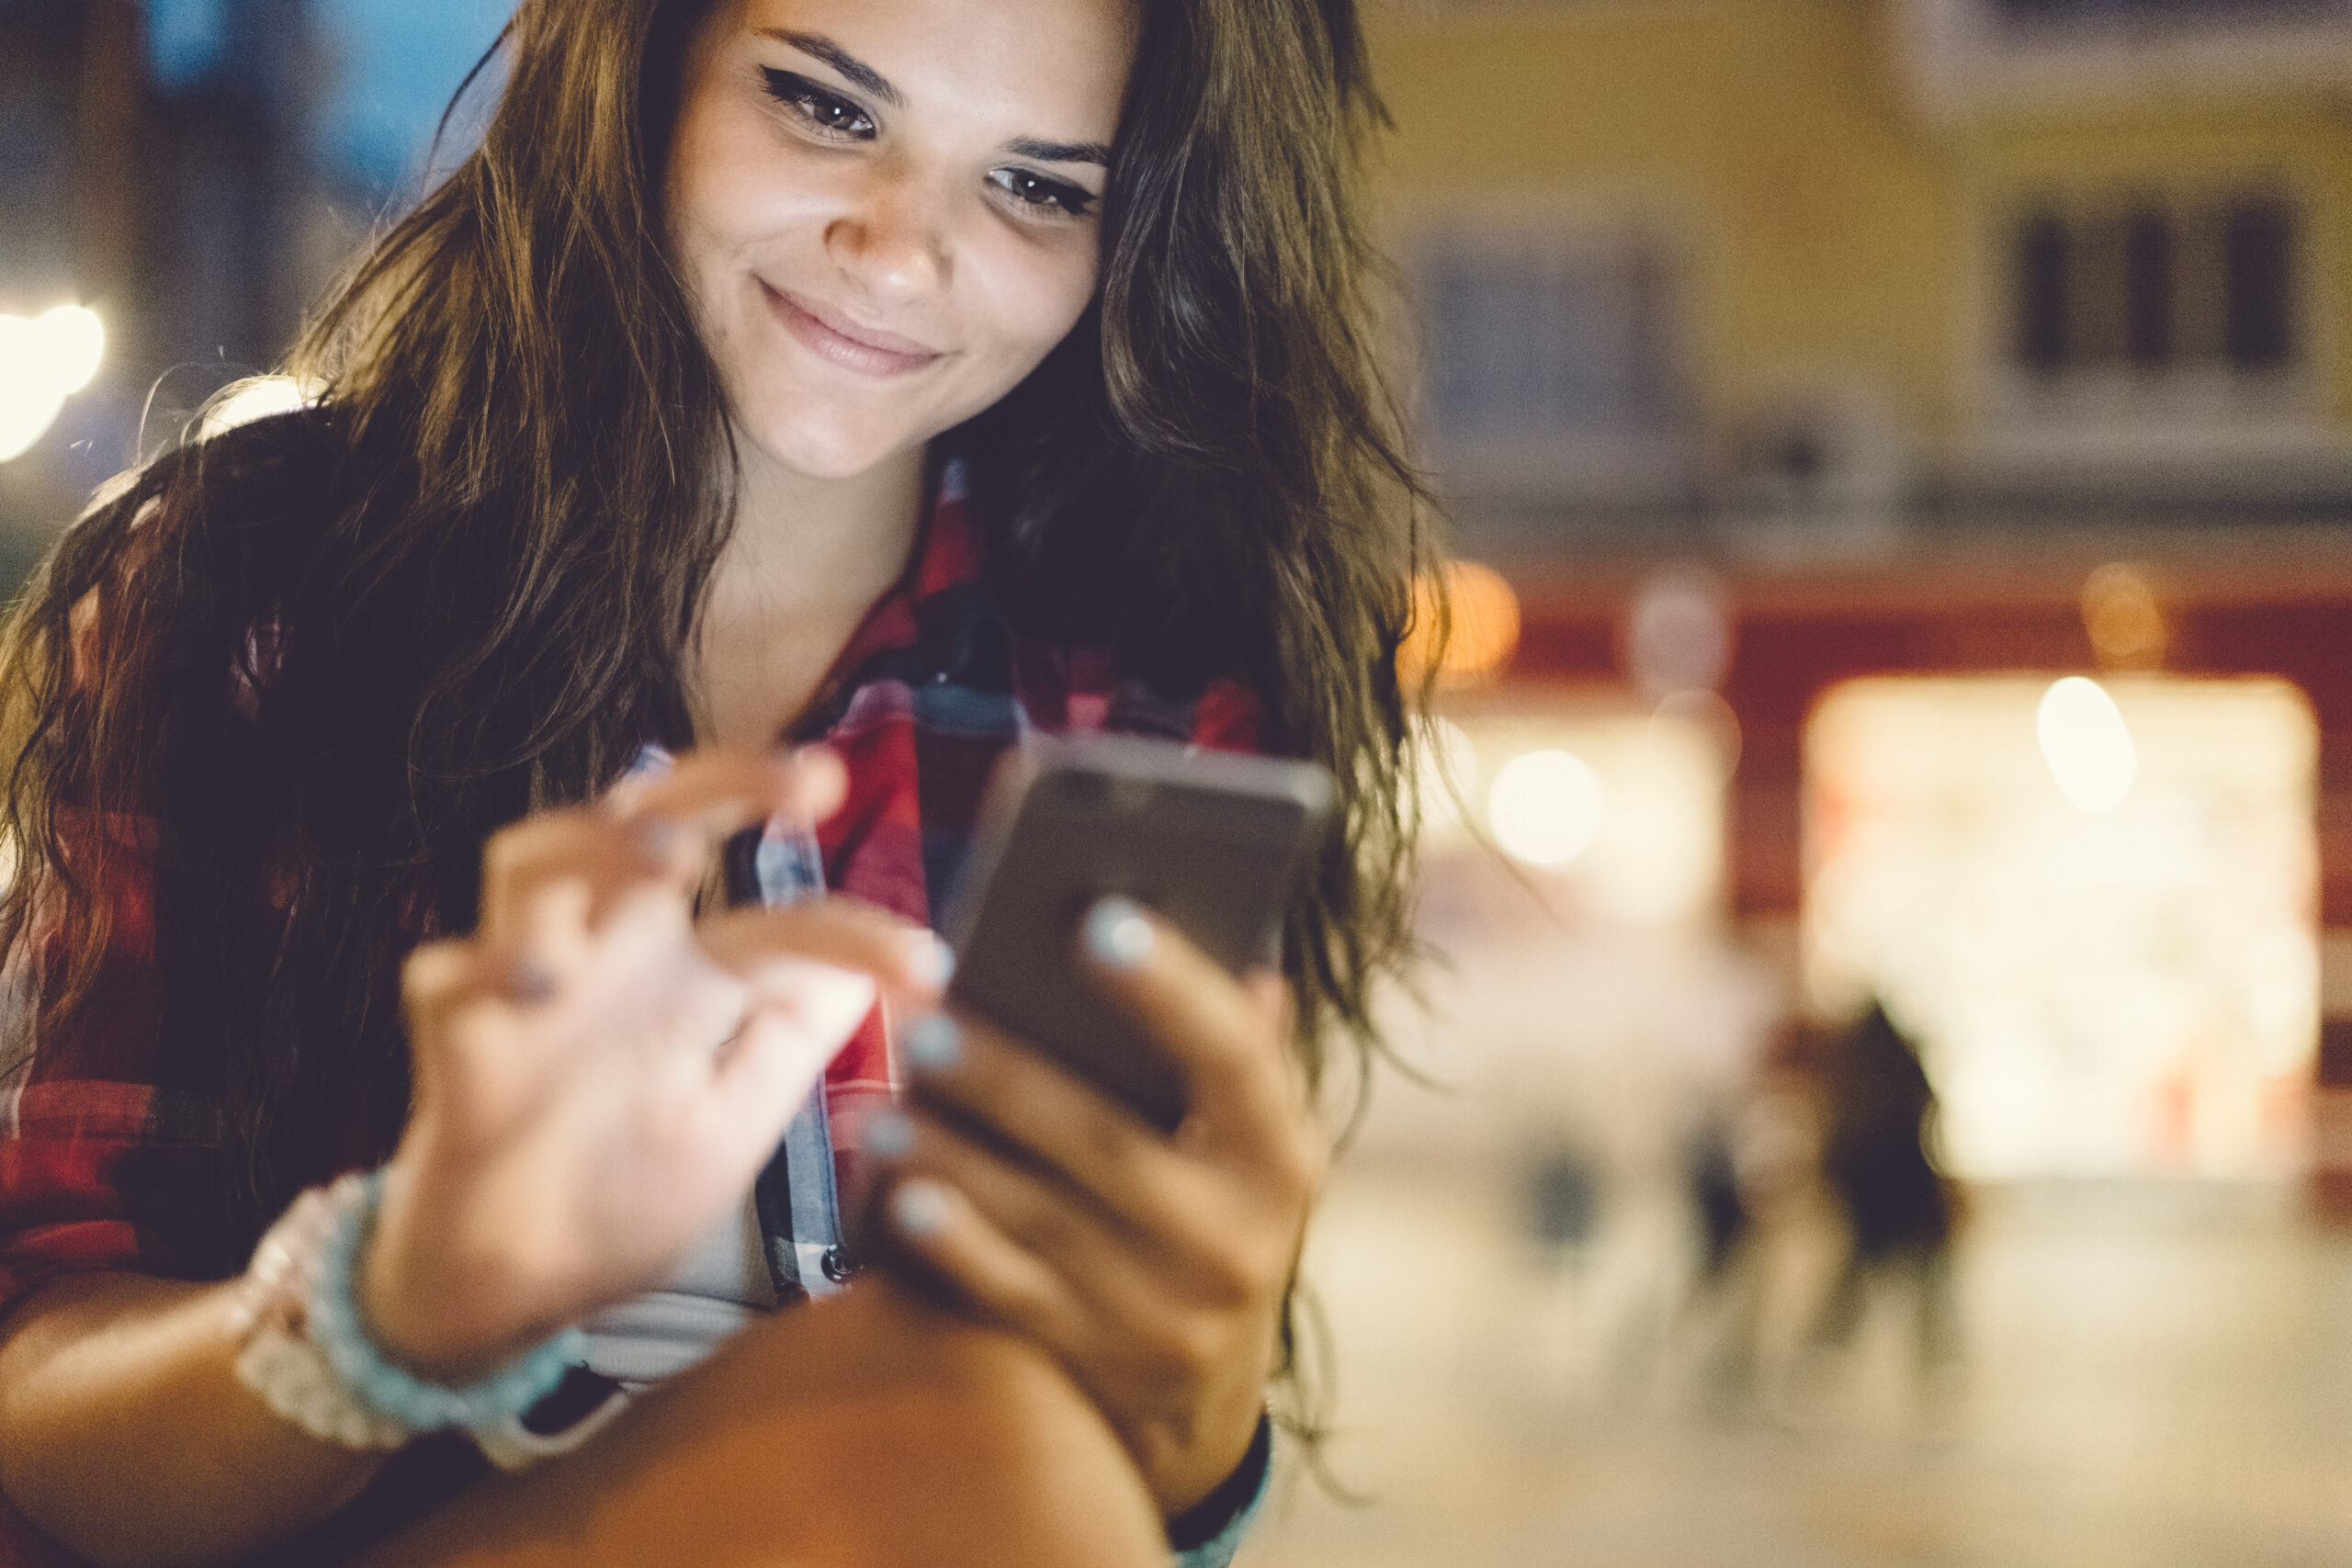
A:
658	839
936	964
935	1043
889	1136
530	982
920	1207
1118	934
803	760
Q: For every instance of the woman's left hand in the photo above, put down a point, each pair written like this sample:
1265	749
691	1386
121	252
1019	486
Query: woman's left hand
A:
1153	1266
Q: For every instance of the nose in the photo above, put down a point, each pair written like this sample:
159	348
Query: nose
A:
892	242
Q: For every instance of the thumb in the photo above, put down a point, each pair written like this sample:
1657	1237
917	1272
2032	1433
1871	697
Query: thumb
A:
1270	998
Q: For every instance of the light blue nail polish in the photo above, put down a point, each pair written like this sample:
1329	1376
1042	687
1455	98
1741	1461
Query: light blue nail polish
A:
938	965
889	1136
658	840
921	1208
934	1044
1118	934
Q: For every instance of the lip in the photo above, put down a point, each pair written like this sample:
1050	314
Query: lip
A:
867	351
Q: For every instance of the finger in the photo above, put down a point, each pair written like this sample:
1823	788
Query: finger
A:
1212	1029
719	792
899	955
455	1004
522	863
442	981
940	1228
553	940
437	978
765	1075
1271	995
825	1003
678	818
1095	1255
1084	1135
1277	1007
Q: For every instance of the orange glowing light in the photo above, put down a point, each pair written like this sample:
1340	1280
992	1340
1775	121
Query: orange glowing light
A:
2125	621
1481	632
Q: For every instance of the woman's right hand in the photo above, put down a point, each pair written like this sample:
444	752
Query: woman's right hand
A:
599	1075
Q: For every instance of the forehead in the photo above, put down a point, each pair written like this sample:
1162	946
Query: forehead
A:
1049	68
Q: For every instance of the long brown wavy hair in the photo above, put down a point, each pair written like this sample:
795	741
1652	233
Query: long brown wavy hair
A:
325	656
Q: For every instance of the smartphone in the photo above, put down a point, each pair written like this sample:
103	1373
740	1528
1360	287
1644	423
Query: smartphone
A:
1213	843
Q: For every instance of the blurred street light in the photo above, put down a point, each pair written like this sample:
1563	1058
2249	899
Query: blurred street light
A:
43	363
2086	744
1679	633
1547	806
2125	622
1481	632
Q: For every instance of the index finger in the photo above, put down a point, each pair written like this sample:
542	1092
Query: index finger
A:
719	792
1222	1037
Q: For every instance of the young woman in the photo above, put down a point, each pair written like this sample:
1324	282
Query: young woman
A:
410	786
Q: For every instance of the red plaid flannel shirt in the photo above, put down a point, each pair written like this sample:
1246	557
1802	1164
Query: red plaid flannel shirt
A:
930	691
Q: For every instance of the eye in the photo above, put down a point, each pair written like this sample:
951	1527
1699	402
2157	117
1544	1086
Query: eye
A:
1030	188
828	114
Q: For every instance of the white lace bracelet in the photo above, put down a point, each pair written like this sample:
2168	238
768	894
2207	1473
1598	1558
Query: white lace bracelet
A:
309	1357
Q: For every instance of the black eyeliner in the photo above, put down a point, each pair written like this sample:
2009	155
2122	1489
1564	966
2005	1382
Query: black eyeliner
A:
789	86
1076	200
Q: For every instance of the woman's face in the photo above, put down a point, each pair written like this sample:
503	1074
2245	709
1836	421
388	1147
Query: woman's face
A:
886	212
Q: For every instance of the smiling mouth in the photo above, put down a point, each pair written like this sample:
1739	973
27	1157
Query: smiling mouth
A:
863	350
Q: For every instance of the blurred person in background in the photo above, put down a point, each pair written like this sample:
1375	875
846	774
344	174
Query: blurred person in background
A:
1605	1103
1877	1160
1770	1226
506	788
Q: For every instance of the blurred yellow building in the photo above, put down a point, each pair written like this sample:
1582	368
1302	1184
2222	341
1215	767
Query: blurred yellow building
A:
1950	257
1972	343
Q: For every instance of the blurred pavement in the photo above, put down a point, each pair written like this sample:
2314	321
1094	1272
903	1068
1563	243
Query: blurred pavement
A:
2152	1375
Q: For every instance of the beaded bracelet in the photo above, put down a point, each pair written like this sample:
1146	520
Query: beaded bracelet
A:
309	1357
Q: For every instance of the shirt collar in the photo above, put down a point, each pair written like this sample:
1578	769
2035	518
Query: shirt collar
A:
945	566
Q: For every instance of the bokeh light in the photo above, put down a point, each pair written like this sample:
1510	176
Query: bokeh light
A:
1679	633
1546	808
43	362
1480	636
2086	744
2125	622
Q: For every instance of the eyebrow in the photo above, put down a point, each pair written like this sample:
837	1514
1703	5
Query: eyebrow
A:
817	46
854	70
1061	151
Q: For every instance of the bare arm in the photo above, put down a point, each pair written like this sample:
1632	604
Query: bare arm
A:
126	1436
871	1432
609	1114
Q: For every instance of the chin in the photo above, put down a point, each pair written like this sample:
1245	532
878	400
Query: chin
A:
821	447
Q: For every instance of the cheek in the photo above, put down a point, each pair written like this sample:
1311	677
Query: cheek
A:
717	201
1036	293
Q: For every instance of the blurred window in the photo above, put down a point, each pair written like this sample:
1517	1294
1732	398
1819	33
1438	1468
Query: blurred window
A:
2109	11
187	41
389	71
2157	286
1543	340
1554	365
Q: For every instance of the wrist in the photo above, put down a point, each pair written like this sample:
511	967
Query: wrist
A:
1188	1480
1222	1512
313	1356
436	1305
